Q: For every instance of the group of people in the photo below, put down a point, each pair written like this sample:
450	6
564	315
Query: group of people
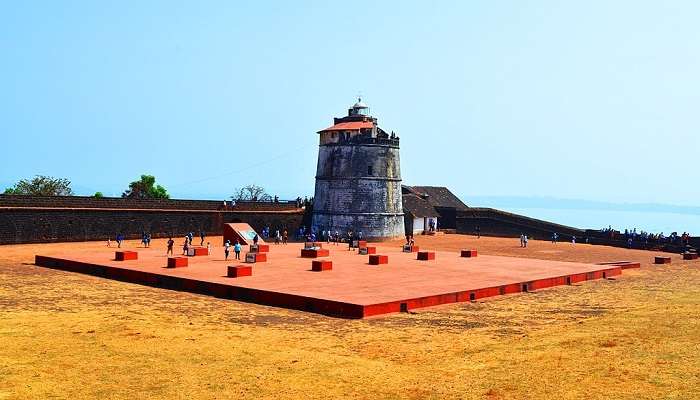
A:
632	236
236	249
146	239
523	240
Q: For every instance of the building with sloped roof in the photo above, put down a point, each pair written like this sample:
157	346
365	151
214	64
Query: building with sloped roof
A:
426	206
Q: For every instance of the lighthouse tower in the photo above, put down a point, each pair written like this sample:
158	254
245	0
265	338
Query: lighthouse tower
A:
358	178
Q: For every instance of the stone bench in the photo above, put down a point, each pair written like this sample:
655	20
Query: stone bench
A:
468	253
197	251
177	262
314	253
367	250
237	271
321	265
662	260
690	256
377	259
407	248
253	258
425	255
125	255
260	248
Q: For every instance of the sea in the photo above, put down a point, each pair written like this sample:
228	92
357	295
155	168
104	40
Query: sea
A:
649	221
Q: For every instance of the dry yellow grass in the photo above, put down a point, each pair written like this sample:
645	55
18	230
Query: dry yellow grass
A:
65	335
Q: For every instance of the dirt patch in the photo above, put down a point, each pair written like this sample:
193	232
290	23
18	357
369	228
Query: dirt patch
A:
74	336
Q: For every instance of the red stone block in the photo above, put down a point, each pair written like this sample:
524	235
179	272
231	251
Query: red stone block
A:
321	265
376	259
255	257
177	262
313	253
368	250
126	255
260	248
426	255
410	249
468	253
201	251
662	260
236	271
690	256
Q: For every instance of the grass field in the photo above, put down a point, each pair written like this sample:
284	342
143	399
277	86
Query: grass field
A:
65	335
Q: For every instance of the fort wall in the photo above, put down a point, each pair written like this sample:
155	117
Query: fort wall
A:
28	219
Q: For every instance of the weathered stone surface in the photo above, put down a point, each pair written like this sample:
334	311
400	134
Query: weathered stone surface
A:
358	184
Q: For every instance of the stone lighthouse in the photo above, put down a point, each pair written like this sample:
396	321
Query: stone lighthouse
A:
358	178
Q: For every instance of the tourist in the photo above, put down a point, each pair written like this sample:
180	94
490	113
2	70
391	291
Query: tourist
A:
285	237
148	240
143	239
208	247
202	235
226	250
629	243
478	232
277	236
573	240
120	239
255	239
185	246
524	240
237	250
359	235
171	243
109	242
350	234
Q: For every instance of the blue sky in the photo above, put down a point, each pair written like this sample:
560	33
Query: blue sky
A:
592	100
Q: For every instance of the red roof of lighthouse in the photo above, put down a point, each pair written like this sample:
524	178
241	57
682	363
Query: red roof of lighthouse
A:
349	126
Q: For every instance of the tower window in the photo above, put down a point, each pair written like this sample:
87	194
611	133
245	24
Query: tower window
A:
370	170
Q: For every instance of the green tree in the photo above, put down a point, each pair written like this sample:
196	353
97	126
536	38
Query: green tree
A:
98	195
146	188
42	185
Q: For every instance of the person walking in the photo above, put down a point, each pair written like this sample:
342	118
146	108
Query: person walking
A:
120	239
202	235
285	237
226	250
524	240
171	243
237	250
185	246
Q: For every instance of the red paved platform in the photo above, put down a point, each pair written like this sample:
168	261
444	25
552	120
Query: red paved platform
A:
352	289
